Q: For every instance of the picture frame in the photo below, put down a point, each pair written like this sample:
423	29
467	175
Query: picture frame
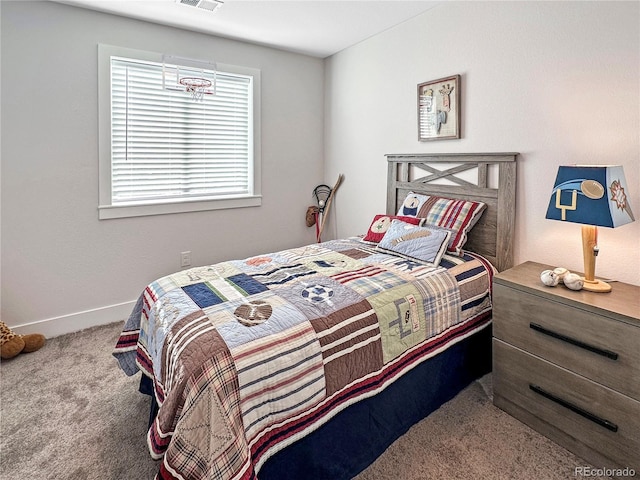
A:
439	109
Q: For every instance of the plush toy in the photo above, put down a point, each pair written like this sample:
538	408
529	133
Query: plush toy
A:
12	344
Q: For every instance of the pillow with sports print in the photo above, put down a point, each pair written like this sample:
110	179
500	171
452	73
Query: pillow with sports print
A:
381	223
412	204
426	244
457	216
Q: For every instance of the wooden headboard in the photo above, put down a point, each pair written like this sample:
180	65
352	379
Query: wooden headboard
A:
492	236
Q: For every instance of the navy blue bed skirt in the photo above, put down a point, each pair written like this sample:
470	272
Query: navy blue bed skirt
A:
358	435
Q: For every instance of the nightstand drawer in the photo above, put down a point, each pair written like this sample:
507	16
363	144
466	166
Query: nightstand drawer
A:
601	418
602	349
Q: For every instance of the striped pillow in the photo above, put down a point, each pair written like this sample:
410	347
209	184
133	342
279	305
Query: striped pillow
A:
457	216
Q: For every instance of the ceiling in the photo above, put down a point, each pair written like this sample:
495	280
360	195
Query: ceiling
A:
311	27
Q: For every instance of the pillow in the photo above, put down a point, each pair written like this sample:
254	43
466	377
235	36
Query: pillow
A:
380	225
412	203
457	216
426	244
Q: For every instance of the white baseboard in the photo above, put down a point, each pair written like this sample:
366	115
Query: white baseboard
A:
74	322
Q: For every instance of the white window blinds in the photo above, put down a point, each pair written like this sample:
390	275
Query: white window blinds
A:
166	146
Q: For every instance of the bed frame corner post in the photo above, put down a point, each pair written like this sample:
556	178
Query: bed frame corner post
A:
507	213
392	184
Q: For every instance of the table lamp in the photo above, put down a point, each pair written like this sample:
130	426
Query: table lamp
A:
594	196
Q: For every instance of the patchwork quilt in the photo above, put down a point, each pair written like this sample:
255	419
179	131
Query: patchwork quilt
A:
248	356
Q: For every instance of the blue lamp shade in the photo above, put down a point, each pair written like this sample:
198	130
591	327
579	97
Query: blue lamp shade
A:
591	195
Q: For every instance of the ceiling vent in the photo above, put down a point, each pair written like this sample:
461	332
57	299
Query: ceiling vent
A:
210	5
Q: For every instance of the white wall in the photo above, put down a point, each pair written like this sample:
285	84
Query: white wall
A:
556	81
61	266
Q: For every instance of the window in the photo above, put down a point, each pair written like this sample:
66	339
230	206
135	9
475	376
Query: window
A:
161	151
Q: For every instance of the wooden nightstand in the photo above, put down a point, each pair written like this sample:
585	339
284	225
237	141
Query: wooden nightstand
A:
567	364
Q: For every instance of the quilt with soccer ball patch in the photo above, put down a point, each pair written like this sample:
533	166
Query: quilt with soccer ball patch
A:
248	356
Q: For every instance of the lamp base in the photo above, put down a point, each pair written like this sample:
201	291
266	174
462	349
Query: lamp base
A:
589	253
596	286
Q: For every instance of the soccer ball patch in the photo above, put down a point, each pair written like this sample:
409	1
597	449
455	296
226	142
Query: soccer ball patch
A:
317	293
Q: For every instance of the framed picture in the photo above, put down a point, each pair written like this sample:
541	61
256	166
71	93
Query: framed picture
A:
439	109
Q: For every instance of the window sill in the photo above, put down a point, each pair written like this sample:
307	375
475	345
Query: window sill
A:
106	212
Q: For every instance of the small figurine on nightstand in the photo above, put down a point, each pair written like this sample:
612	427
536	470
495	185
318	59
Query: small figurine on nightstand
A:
551	278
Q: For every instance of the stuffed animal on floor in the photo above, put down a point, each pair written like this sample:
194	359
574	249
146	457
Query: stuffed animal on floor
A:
12	344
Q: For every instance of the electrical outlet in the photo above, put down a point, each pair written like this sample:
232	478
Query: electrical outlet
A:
185	259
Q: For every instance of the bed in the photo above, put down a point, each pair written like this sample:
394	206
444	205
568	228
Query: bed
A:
309	362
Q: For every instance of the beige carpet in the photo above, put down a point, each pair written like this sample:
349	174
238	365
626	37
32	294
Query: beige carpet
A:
68	412
470	438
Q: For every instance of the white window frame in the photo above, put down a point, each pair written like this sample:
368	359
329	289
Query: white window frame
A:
106	208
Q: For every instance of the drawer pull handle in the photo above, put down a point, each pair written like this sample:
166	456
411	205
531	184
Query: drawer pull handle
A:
573	341
574	408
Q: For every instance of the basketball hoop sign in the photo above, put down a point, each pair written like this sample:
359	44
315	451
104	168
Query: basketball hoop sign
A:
193	77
